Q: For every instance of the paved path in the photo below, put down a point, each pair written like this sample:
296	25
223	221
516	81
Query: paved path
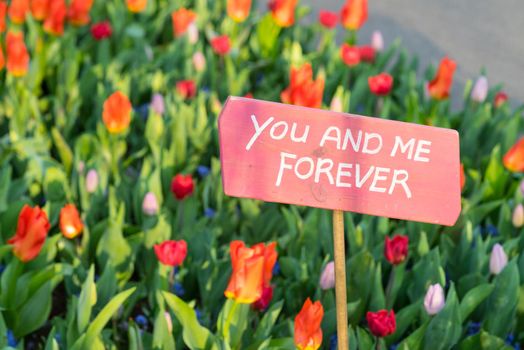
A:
477	34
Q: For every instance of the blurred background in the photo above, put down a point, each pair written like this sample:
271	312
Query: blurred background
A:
476	34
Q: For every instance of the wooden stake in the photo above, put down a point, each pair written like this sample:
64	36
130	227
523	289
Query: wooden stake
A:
340	279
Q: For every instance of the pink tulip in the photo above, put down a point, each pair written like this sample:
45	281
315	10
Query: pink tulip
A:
327	279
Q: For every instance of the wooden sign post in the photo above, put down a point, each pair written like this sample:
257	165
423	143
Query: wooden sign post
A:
343	162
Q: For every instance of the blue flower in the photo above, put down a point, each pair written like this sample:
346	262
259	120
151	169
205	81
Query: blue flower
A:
209	213
259	78
333	341
198	315
143	110
58	337
276	269
141	321
178	289
11	340
393	347
491	230
2	268
203	171
473	328
205	89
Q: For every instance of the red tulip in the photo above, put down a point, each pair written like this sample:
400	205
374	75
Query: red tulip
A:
396	249
31	233
182	186
367	53
308	333
500	99
354	14
117	113
265	299
283	11
381	323
238	10
101	30
17	56
380	84
350	55
18	9
70	223
302	89
171	253
54	22
221	45
514	159
3	12
440	87
182	19
186	88
328	19
78	12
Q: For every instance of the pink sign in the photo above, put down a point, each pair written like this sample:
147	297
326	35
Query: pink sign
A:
288	154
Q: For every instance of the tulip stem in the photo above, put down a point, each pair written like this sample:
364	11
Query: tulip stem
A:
340	279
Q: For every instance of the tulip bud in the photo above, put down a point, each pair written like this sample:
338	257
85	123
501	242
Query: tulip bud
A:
327	279
80	166
150	204
521	187
518	216
91	181
377	41
498	259
169	321
157	104
192	33
199	61
434	300
336	104
480	90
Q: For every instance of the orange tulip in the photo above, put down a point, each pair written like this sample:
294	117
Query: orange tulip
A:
283	11
136	5
54	22
70	223
462	177
303	90
514	159
252	268
440	86
238	10
182	19
31	233
354	14
78	12
3	12
18	10
308	334
2	59
117	113
39	9
17	56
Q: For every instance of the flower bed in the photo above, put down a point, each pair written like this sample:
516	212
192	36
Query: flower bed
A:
115	229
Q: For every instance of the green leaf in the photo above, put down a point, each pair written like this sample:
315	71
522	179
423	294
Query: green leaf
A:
162	337
473	298
263	330
86	301
483	341
232	322
502	303
195	335
5	182
445	328
415	339
64	151
35	311
98	324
